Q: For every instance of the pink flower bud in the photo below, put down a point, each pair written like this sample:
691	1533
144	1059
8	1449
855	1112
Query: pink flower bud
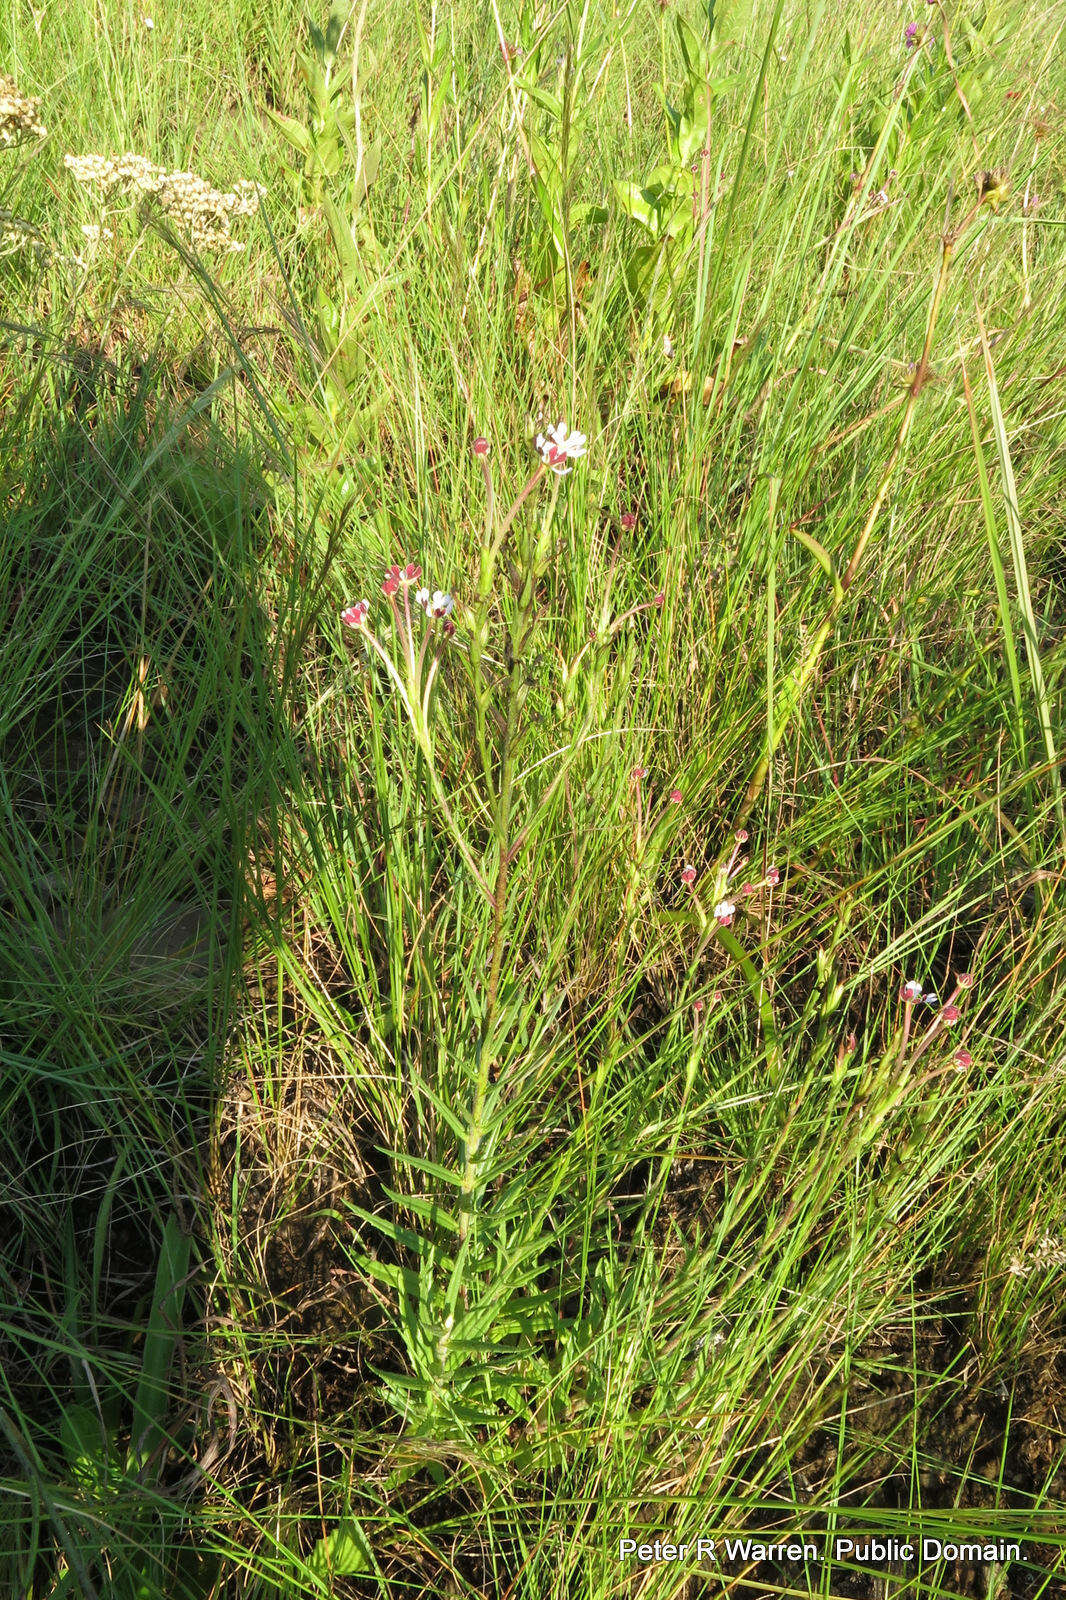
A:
741	836
950	1014
964	980
481	446
676	797
355	616
911	992
638	773
628	519
659	601
747	888
688	874
963	1059
773	877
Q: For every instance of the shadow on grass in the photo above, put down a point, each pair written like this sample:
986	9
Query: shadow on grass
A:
144	746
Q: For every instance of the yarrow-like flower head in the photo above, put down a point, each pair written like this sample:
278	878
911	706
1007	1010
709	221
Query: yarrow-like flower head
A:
356	615
560	445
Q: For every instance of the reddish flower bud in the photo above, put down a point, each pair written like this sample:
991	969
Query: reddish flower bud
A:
688	874
628	519
659	601
676	797
951	1014
964	980
481	446
963	1059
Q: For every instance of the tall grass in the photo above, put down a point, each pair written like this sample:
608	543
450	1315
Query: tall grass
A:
462	1105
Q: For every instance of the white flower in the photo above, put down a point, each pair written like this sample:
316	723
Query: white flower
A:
724	912
559	445
422	598
440	605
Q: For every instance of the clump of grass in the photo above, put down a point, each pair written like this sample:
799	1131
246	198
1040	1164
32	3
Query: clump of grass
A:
595	1006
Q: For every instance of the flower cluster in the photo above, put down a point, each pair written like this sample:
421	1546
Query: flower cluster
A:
725	909
19	114
437	605
558	445
1049	1252
16	234
205	213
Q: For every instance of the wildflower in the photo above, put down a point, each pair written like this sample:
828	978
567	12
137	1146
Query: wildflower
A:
773	877
422	598
724	913
747	889
149	24
559	445
963	1059
659	601
481	446
440	605
355	616
638	773
688	874
911	992
676	797
1049	1252
929	1000
628	519
392	581
964	980
698	1007
950	1014
741	836
910	35
19	114
668	346
205	213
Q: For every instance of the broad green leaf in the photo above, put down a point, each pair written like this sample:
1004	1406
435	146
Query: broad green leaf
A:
344	1553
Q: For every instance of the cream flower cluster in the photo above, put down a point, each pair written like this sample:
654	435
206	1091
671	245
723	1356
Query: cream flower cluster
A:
204	212
16	234
19	114
1049	1252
